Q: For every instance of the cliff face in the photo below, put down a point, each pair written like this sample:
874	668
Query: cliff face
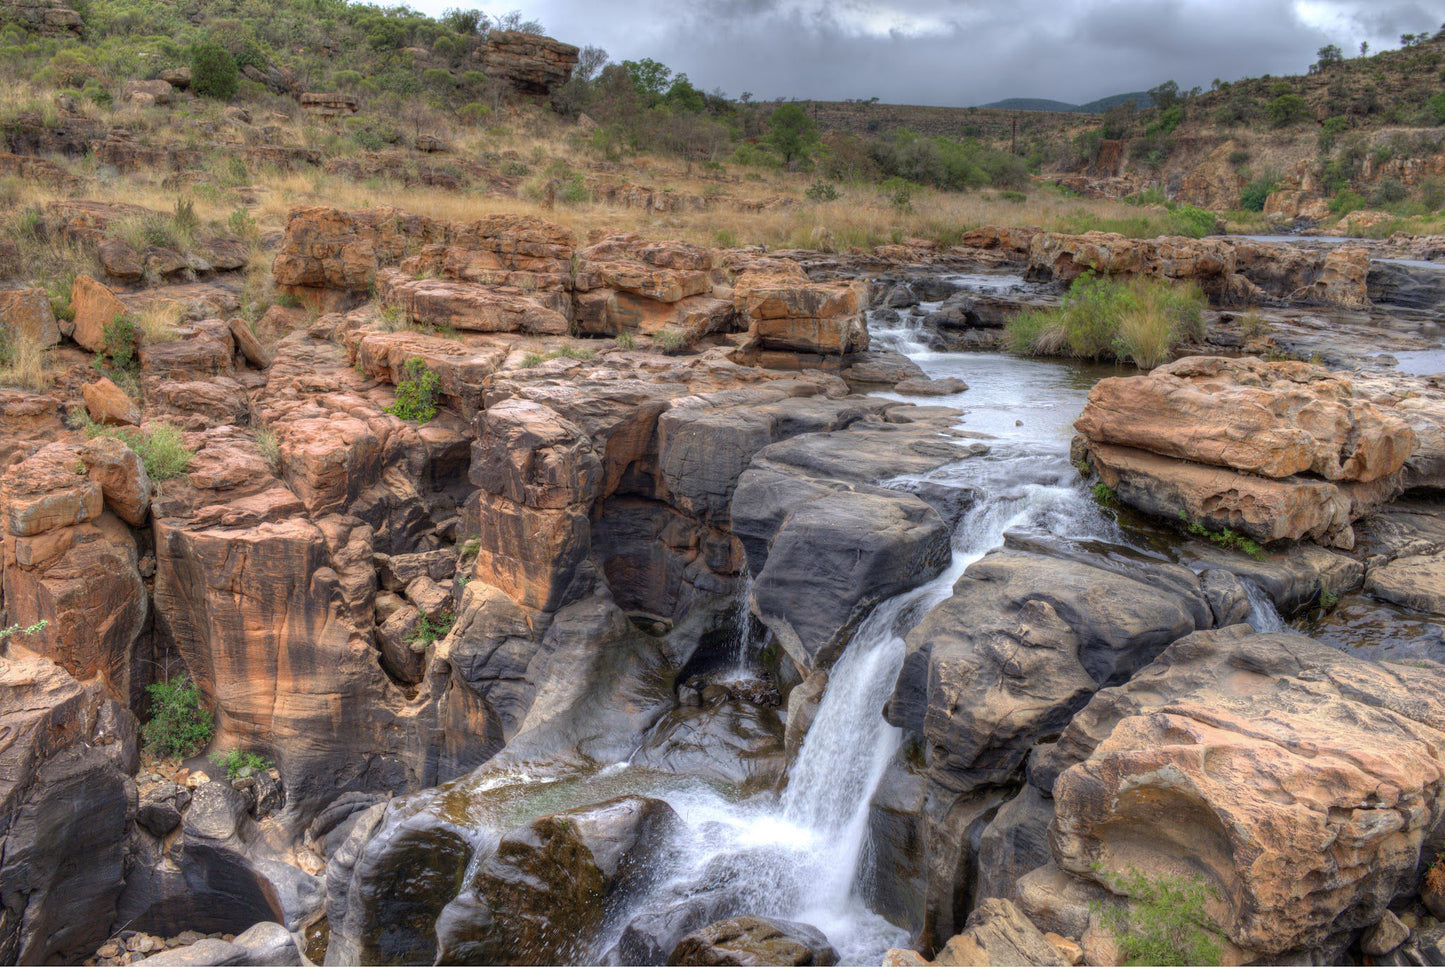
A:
530	63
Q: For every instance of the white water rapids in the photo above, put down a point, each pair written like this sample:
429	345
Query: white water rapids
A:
798	856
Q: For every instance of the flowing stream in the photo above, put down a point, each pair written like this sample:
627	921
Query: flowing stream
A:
797	856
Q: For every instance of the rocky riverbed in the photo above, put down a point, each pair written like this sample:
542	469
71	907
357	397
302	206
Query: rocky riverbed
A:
734	607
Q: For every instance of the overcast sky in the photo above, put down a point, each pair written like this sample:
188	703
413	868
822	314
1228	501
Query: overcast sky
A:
961	52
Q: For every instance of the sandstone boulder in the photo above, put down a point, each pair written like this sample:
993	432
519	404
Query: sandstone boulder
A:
95	308
108	404
470	307
532	64
1209	762
26	314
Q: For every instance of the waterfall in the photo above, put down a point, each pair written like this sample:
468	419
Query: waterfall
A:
1263	615
743	624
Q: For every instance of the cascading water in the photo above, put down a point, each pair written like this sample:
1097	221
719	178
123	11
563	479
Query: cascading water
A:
1263	615
798	857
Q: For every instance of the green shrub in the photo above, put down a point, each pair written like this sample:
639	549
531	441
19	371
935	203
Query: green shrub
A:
417	393
214	72
1142	320
626	340
1191	221
1256	193
1165	922
269	446
240	764
120	342
27	631
429	631
822	191
1233	540
180	726
1287	109
160	447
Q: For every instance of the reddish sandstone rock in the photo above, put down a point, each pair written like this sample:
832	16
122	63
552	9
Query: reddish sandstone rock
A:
1299	781
1066	257
119	260
27	314
69	565
108	403
95	308
463	367
26	419
122	476
333	249
661	271
1272	419
200	351
530	63
328	104
469	307
790	313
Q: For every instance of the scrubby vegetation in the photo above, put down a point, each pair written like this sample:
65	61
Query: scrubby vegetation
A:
160	446
417	393
1225	537
239	764
180	725
1164	921
431	630
1142	320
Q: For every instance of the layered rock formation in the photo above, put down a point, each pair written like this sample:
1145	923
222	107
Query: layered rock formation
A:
531	63
1276	451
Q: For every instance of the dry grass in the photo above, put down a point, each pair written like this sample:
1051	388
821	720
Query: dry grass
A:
157	322
25	367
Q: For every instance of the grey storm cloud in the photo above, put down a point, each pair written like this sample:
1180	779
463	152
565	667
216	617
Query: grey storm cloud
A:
960	52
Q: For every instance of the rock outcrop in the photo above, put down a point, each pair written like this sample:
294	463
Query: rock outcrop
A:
531	63
1276	451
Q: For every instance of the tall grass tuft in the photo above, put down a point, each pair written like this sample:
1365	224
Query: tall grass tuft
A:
1142	320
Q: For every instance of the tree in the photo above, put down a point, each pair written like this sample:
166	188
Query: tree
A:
464	21
214	72
1329	56
590	62
1287	109
650	76
1364	48
513	21
791	132
1165	96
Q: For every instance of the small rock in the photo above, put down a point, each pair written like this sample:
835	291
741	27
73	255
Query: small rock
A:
1384	936
1071	950
109	949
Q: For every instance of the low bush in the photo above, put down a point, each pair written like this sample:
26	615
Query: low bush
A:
1165	922
1141	320
429	630
179	725
239	764
1256	193
417	393
214	72
160	446
120	342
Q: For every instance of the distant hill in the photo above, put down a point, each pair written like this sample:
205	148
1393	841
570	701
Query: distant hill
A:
1141	98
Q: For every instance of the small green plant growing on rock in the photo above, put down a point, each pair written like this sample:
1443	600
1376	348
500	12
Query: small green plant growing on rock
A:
180	725
626	340
417	393
1165	922
27	631
1105	494
669	340
1225	537
1328	599
270	447
431	630
239	764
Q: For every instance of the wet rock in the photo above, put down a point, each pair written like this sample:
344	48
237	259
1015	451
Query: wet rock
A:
733	742
550	885
1299	866
748	941
922	386
1417	583
263	945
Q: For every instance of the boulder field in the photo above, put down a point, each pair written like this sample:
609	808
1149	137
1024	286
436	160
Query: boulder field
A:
482	653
